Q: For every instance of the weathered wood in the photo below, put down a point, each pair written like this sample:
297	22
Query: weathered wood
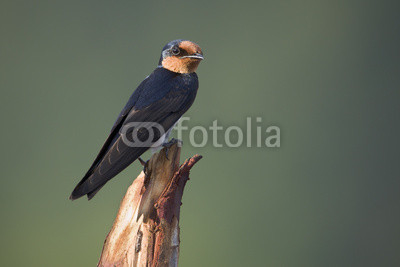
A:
146	229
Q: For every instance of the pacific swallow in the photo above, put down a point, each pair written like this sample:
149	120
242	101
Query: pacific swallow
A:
162	98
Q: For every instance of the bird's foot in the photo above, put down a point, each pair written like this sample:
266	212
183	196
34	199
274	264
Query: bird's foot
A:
169	144
145	165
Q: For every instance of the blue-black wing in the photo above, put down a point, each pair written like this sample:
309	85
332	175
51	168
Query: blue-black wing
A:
161	98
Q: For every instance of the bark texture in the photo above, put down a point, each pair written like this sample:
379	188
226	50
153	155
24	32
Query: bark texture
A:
146	229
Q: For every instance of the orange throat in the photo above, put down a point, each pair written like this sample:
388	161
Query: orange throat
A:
180	65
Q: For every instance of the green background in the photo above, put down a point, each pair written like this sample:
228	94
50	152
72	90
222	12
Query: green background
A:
326	72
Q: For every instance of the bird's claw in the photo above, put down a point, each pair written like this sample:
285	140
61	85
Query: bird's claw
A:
169	144
145	165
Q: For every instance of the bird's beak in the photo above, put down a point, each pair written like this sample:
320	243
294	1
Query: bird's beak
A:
196	56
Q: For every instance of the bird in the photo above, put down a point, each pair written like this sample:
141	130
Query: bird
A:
160	99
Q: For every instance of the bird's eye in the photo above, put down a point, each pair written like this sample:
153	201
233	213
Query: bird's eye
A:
175	50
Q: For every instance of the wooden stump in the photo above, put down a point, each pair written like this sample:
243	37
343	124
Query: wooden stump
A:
146	229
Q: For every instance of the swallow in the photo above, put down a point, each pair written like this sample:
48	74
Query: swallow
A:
161	99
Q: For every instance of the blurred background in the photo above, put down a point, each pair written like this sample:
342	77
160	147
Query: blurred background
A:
326	72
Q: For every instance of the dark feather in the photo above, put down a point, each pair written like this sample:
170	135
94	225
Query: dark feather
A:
163	97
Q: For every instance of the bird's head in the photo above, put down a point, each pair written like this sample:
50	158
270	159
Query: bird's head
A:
181	56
